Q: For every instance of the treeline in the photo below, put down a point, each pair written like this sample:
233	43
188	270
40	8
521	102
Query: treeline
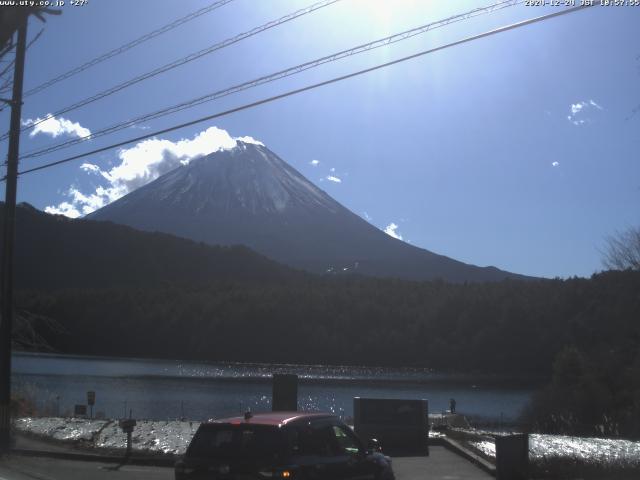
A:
54	252
591	394
507	327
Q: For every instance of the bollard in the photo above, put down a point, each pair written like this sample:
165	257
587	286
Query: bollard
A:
512	457
285	393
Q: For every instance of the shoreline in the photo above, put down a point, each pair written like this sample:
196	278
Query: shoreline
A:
437	375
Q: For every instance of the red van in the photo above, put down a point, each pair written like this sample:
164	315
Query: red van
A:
276	445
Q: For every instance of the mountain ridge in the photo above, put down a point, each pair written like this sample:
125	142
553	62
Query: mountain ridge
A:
248	195
55	252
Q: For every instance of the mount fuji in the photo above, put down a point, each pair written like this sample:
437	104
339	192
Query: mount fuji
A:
248	195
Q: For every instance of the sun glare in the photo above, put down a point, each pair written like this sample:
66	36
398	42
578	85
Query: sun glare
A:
380	16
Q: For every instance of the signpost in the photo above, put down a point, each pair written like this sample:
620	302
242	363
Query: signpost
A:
91	400
127	425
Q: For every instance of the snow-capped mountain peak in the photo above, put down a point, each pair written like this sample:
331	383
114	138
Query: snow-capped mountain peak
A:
248	195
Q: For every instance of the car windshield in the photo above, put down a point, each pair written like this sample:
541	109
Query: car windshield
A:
235	441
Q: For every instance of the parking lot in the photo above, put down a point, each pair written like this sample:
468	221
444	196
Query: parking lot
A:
440	464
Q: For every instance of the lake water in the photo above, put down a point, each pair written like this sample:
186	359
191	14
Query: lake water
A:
169	389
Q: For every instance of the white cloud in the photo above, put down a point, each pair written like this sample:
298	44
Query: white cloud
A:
331	178
367	216
594	104
332	169
314	163
576	107
65	208
141	164
580	110
555	164
392	230
90	168
53	126
88	203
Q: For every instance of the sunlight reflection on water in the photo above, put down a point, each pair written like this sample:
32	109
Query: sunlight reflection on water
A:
164	389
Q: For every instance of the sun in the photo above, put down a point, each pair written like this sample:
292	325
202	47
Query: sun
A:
384	17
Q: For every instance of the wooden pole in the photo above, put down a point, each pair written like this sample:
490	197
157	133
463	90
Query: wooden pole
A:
6	284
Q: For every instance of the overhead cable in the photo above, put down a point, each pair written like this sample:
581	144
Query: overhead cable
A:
127	46
275	76
309	87
181	61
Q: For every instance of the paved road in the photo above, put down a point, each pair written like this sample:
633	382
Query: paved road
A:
440	465
37	468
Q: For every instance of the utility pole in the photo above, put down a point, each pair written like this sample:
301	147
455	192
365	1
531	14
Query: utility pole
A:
6	284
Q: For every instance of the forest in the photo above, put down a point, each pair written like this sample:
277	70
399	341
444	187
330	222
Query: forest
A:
582	333
508	327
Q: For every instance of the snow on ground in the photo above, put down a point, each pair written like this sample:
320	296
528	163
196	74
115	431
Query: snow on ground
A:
173	437
592	450
64	429
601	451
167	437
487	447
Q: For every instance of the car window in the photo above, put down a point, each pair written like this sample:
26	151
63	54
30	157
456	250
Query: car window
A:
311	441
345	440
235	441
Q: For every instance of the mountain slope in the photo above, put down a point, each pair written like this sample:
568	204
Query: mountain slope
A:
248	195
53	252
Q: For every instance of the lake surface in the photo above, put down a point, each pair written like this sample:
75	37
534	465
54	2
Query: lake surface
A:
170	389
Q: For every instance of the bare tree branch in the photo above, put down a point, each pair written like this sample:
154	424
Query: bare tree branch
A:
623	250
6	49
29	328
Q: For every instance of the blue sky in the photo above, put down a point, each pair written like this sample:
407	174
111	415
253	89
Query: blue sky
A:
519	150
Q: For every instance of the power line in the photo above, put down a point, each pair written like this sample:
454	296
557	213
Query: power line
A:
310	87
184	60
8	85
126	46
277	76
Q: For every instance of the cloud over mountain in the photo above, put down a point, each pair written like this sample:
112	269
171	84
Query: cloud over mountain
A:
392	231
141	164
